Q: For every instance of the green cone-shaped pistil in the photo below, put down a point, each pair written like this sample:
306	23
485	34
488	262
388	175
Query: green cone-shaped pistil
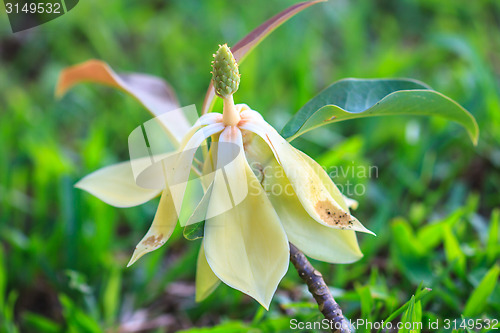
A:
225	74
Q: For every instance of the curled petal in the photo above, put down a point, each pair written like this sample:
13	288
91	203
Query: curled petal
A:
116	186
315	190
245	246
161	229
206	280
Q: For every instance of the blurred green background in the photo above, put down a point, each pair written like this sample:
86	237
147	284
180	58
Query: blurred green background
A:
434	204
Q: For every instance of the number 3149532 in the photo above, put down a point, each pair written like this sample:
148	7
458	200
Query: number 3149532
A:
40	8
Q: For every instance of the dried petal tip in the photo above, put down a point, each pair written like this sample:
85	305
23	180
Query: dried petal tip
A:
225	74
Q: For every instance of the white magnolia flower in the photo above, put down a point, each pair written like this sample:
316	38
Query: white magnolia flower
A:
261	193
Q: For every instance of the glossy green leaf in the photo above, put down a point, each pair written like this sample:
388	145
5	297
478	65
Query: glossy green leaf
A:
241	49
359	98
478	299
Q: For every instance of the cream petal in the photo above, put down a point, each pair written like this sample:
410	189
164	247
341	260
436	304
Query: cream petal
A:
326	180
248	113
178	173
245	246
160	231
206	280
199	210
151	158
314	188
116	186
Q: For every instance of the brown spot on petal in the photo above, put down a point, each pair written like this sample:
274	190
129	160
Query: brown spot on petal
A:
333	216
153	241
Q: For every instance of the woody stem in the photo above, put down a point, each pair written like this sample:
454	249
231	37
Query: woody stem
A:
320	291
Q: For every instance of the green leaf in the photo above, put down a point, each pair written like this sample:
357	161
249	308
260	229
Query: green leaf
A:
478	299
111	296
408	255
77	319
249	42
492	247
225	327
367	303
412	318
430	235
194	231
8	322
359	98
453	252
420	294
39	323
3	278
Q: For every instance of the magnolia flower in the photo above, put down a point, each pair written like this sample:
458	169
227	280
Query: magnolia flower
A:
260	194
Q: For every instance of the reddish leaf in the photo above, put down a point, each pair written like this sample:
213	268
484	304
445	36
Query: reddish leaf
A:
152	92
247	44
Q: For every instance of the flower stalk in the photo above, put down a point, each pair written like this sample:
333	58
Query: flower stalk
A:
230	116
320	291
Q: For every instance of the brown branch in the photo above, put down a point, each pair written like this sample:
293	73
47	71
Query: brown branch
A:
320	291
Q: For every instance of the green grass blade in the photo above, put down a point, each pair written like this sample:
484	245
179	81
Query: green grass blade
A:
418	296
492	247
478	299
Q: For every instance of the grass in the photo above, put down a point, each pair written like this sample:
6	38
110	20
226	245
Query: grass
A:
433	203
